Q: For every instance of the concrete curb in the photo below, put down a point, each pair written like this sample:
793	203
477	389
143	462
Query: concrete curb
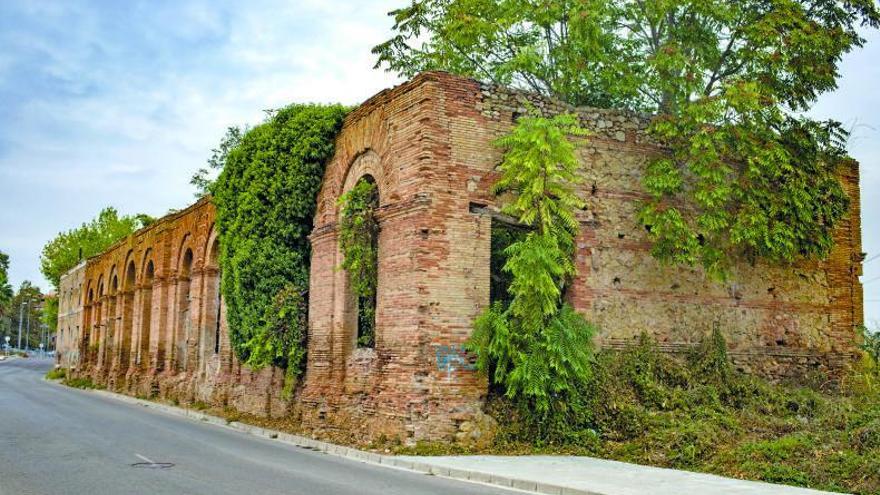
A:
523	485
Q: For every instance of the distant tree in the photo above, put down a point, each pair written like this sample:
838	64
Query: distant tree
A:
69	248
6	294
746	172
5	286
27	307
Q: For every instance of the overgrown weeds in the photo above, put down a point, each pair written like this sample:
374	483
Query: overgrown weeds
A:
83	383
56	374
698	413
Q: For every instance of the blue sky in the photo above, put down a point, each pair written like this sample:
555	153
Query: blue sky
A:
118	103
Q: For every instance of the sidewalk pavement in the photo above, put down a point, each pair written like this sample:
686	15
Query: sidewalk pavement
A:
585	475
553	475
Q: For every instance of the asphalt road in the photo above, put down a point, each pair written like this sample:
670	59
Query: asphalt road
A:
55	440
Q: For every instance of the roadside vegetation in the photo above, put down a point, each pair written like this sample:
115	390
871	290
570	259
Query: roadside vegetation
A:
83	383
697	413
56	374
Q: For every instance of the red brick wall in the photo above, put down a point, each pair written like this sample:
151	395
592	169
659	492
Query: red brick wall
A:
140	339
428	144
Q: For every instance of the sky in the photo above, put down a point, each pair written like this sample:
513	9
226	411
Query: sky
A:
108	103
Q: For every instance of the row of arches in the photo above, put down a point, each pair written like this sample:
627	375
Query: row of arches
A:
155	312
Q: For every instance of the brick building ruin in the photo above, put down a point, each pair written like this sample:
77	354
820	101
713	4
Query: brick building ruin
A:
152	322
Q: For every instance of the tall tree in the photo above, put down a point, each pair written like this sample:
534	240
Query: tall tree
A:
69	248
746	172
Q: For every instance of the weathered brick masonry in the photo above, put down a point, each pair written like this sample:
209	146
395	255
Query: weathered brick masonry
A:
69	317
151	304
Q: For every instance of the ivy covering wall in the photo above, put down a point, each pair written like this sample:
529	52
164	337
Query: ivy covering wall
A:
266	199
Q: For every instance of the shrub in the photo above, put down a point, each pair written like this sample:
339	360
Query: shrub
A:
83	383
56	374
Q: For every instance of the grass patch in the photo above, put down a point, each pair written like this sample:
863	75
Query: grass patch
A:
699	414
82	383
56	374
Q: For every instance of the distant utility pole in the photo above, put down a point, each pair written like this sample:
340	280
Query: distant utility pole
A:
27	336
20	320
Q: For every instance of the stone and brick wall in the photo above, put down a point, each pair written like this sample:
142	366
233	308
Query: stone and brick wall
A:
70	326
152	319
150	304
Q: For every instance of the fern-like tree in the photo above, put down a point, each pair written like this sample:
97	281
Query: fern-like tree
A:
538	348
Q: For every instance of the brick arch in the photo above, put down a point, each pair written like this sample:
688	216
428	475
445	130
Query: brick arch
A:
126	316
185	243
211	335
145	332
366	137
146	258
113	280
210	257
129	263
182	330
366	163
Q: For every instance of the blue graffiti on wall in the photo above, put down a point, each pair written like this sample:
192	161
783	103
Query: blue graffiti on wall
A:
451	358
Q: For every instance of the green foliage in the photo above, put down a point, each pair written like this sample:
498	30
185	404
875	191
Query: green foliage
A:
82	383
26	306
202	179
536	347
746	172
871	344
265	197
56	374
5	286
49	314
359	241
69	248
762	183
698	413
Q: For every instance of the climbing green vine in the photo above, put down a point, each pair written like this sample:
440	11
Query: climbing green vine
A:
266	198
358	236
538	348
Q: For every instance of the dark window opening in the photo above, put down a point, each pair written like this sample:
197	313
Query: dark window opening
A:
503	235
217	326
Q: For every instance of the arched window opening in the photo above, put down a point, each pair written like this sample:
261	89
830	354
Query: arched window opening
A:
218	297
209	339
127	316
184	326
99	326
110	336
146	317
88	311
359	239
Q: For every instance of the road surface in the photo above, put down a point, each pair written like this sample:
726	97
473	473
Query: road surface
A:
56	440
